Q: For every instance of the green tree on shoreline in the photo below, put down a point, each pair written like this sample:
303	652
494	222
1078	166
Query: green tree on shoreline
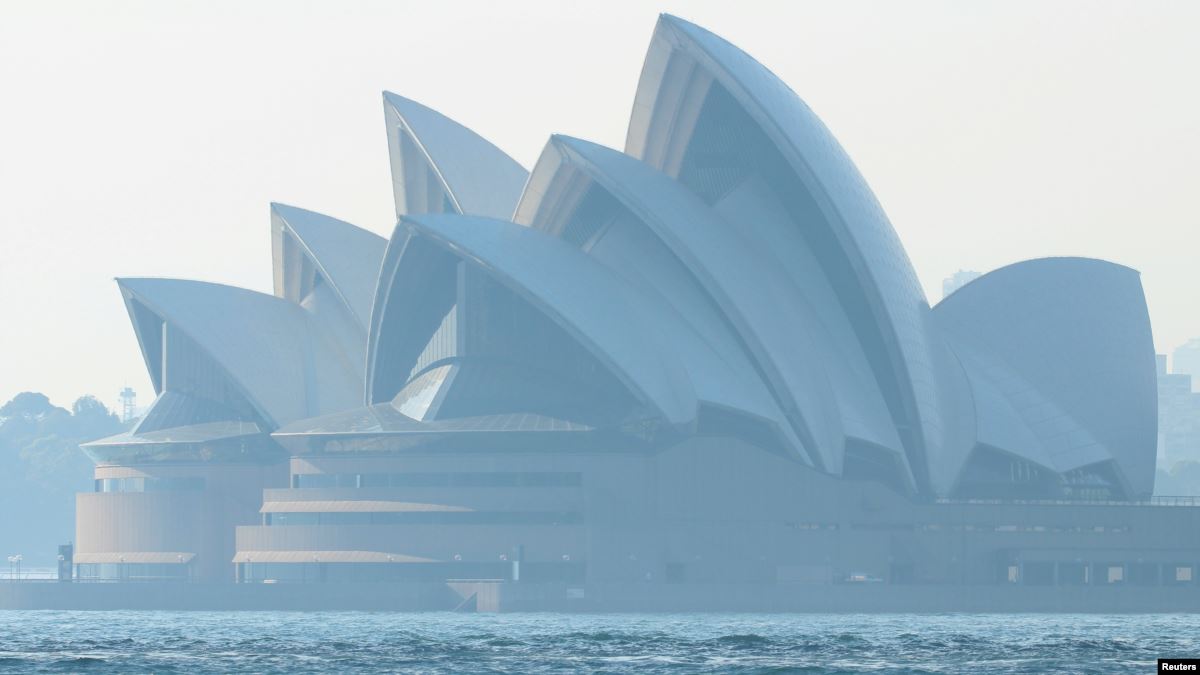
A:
41	469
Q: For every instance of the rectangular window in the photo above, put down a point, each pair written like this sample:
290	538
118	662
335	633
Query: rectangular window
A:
292	519
676	573
426	518
1183	574
472	479
386	518
315	480
1039	573
344	518
375	480
1116	574
552	479
143	484
420	480
175	484
483	479
1072	573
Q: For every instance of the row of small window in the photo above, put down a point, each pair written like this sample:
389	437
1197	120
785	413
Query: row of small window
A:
460	479
1076	529
427	518
131	572
959	527
141	484
316	572
1081	574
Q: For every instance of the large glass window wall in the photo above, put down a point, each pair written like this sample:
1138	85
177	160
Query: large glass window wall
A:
426	518
318	572
148	484
439	479
122	572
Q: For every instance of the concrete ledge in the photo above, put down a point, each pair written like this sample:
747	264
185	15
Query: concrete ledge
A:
510	597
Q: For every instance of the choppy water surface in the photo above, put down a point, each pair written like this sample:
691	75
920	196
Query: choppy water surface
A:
281	642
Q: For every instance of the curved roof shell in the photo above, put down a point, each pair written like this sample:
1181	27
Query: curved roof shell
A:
696	88
440	166
753	242
597	309
271	351
306	246
1012	415
422	320
734	265
1068	341
819	378
406	311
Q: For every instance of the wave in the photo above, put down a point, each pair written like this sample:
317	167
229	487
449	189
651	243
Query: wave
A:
202	643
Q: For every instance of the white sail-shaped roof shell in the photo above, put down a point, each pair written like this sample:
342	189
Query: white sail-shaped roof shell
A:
1068	341
810	372
272	351
306	243
440	166
619	327
732	267
329	267
1012	415
875	281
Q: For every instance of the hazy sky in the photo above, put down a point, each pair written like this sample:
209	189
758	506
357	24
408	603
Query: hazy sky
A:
141	138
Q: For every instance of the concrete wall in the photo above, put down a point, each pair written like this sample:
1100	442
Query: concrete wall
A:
200	522
718	511
705	512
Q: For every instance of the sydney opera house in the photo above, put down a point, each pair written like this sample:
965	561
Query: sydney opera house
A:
700	361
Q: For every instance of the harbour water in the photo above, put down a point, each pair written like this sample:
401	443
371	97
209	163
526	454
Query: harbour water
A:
282	642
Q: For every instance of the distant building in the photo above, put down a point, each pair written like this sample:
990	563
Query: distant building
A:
958	280
1186	360
1179	406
